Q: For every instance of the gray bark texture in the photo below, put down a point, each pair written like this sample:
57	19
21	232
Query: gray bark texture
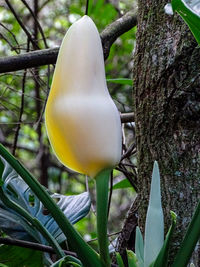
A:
167	115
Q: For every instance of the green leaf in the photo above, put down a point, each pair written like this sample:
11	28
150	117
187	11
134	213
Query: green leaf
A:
139	247
189	14
17	256
119	260
120	81
190	240
154	226
74	207
69	260
122	184
161	260
87	255
132	260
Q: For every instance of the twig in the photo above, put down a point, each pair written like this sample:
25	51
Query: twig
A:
14	37
95	239
110	193
22	106
36	21
127	117
129	152
49	56
86	7
20	113
128	175
116	29
21	24
32	245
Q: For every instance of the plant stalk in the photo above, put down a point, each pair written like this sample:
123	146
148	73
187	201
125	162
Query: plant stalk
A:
102	186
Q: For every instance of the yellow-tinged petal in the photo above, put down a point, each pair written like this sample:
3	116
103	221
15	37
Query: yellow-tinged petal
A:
82	121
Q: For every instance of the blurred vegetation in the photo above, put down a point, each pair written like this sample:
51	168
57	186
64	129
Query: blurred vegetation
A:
23	95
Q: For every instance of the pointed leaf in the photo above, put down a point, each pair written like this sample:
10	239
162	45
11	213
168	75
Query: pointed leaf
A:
161	260
122	184
119	260
74	207
154	226
139	247
132	260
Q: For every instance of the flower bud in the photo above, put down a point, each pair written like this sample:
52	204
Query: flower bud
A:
82	121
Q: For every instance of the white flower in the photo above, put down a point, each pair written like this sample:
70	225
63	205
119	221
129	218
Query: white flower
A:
82	121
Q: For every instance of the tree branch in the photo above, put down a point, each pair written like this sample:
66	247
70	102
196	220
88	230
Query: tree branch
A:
32	245
36	246
49	56
116	29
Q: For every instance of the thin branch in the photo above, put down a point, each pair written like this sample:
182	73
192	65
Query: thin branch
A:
32	245
49	56
36	21
110	193
127	117
86	8
131	150
14	37
116	29
21	24
20	114
109	235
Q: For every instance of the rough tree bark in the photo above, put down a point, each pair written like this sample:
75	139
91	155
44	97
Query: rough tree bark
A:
167	114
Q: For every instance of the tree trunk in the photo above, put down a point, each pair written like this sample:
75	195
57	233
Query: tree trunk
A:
167	114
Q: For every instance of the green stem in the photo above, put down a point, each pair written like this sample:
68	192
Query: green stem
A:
86	254
35	222
190	240
102	184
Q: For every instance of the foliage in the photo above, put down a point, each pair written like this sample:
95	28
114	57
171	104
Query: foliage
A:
15	256
74	207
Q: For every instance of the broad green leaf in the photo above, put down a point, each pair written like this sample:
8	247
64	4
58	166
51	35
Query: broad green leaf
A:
17	256
74	207
190	12
132	260
154	226
122	184
190	240
119	260
161	260
139	247
120	81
